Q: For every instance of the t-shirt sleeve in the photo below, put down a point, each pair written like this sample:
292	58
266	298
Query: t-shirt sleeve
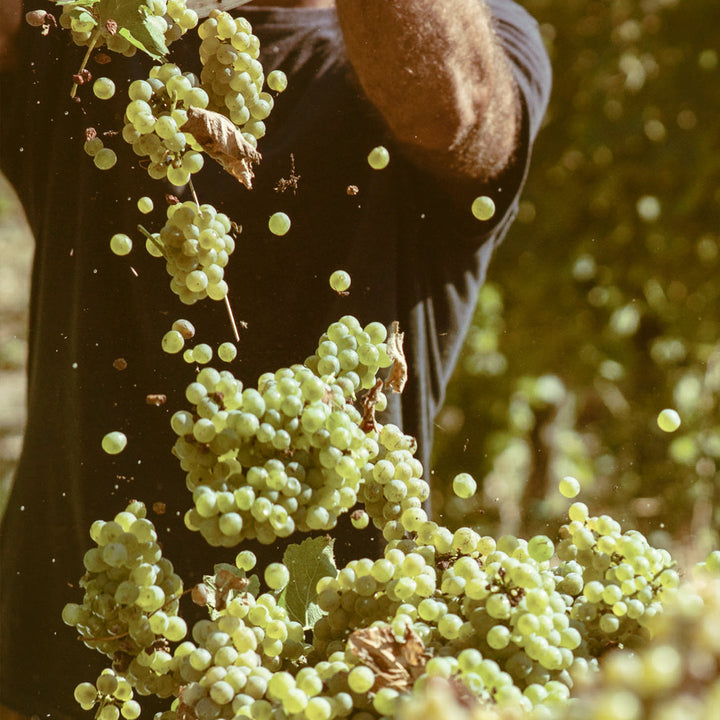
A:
520	36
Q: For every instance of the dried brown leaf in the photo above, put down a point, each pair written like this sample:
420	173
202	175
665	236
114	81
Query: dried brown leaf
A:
226	583
397	377
368	407
221	139
396	663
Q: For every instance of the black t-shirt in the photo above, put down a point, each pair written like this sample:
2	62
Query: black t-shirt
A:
413	255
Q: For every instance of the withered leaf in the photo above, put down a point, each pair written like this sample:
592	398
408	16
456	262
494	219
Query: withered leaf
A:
397	377
368	407
396	663
227	583
221	139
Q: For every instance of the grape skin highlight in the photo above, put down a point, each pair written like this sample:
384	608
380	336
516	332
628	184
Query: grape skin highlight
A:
114	442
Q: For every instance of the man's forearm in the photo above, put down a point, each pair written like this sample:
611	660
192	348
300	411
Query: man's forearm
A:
436	72
10	18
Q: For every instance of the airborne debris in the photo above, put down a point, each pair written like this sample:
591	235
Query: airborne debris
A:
290	182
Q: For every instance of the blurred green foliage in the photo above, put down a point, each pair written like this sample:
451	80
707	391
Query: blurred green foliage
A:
602	306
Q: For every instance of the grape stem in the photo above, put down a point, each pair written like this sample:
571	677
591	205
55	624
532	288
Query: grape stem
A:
148	235
232	319
91	47
194	194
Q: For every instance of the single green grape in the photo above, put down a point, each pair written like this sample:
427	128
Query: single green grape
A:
464	485
276	576
279	223
104	88
185	328
145	205
120	244
378	158
340	281
92	147
104	159
227	351
569	487
172	342
483	207
114	442
202	353
277	80
360	519
668	420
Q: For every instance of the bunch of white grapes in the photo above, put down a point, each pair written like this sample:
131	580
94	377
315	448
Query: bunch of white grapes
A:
295	453
232	666
196	244
676	675
393	489
172	18
617	579
111	695
154	119
233	75
131	592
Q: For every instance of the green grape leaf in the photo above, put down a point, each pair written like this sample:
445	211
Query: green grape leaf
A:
227	582
135	23
307	562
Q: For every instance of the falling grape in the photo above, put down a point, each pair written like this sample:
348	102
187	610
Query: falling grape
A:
104	88
340	281
483	207
279	223
114	442
569	487
464	485
145	205
668	420
378	158
120	244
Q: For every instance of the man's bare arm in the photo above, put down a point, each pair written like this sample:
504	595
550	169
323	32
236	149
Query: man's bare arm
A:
10	17
438	75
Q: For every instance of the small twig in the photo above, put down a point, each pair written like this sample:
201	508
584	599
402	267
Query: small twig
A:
194	194
91	47
232	319
147	234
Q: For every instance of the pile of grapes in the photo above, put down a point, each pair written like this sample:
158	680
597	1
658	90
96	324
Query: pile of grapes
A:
443	624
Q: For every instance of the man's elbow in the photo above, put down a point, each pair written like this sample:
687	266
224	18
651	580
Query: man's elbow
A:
10	19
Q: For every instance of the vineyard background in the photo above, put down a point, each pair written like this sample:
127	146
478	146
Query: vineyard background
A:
602	305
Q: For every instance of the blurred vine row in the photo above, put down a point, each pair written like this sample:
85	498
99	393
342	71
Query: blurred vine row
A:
603	303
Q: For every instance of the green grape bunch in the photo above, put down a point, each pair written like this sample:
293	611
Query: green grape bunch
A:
154	119
196	244
111	696
617	579
233	75
131	596
293	453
